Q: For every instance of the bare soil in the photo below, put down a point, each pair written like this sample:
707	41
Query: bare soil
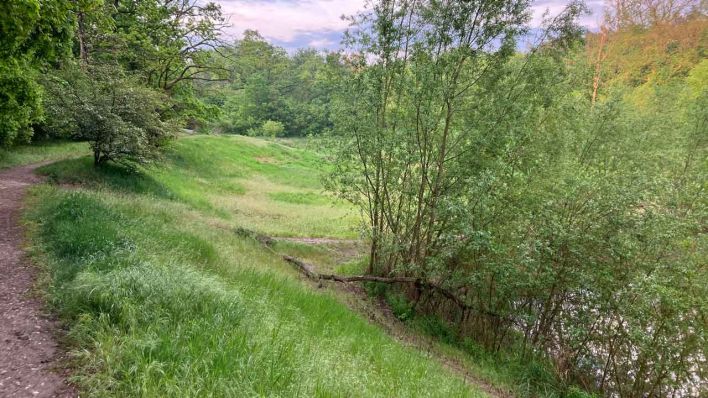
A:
29	354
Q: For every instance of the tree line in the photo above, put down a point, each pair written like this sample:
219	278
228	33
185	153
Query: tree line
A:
554	199
118	74
126	75
271	92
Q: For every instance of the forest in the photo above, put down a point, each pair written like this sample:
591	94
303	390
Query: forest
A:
529	199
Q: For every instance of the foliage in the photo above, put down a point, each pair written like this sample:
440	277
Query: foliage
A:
654	55
268	84
118	117
556	197
402	118
271	129
20	103
566	226
162	44
629	14
164	41
32	33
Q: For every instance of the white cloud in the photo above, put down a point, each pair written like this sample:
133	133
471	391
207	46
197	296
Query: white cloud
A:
284	20
555	7
318	23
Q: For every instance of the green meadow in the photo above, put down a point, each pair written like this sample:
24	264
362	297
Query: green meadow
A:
161	296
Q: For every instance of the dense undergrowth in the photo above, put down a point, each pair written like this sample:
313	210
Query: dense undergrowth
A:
162	298
526	375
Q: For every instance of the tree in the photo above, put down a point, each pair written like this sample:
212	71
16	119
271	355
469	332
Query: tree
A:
272	129
501	200
32	34
622	14
169	44
166	41
119	118
627	55
402	119
268	84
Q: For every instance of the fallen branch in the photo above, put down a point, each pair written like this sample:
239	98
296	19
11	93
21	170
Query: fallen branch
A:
309	271
305	268
420	284
260	238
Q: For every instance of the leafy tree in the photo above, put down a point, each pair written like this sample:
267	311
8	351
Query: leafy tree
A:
165	41
120	118
32	33
622	14
646	42
268	84
272	129
169	45
543	220
402	116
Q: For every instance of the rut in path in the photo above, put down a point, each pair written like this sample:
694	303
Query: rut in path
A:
28	351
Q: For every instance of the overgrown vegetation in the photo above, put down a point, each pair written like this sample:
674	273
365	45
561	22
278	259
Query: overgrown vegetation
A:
547	202
32	34
118	74
268	87
117	116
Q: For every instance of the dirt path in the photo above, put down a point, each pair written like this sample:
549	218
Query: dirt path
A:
28	351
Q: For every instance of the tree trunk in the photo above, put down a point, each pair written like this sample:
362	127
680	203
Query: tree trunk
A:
81	34
601	55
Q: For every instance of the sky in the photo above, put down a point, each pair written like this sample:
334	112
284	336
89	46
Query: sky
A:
295	24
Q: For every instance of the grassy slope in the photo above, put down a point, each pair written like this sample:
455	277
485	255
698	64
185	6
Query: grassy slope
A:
163	299
40	152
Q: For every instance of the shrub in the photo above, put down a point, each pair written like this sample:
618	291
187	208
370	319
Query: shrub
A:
272	128
401	307
120	118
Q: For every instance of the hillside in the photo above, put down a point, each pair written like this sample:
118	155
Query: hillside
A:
161	296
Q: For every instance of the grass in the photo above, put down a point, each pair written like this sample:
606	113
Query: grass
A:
525	376
162	298
300	198
42	151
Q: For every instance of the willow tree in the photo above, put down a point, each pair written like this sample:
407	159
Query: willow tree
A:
415	66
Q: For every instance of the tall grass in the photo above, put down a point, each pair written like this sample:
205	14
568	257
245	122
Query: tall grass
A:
39	152
162	298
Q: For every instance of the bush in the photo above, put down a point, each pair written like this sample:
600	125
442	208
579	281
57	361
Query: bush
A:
401	307
269	128
272	128
120	118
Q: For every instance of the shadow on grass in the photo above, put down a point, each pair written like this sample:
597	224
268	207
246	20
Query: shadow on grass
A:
81	171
